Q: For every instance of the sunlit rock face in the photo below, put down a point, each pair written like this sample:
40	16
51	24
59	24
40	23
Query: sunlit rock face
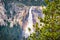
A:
16	18
10	29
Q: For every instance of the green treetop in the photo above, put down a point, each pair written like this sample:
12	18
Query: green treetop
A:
51	28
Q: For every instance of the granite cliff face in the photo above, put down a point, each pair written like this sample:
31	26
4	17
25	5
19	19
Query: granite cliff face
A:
16	18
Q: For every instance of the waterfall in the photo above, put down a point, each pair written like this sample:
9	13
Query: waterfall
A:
29	25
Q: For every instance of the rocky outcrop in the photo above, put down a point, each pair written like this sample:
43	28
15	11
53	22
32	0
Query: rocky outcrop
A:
17	13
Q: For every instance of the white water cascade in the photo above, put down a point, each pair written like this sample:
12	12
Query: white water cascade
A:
29	25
